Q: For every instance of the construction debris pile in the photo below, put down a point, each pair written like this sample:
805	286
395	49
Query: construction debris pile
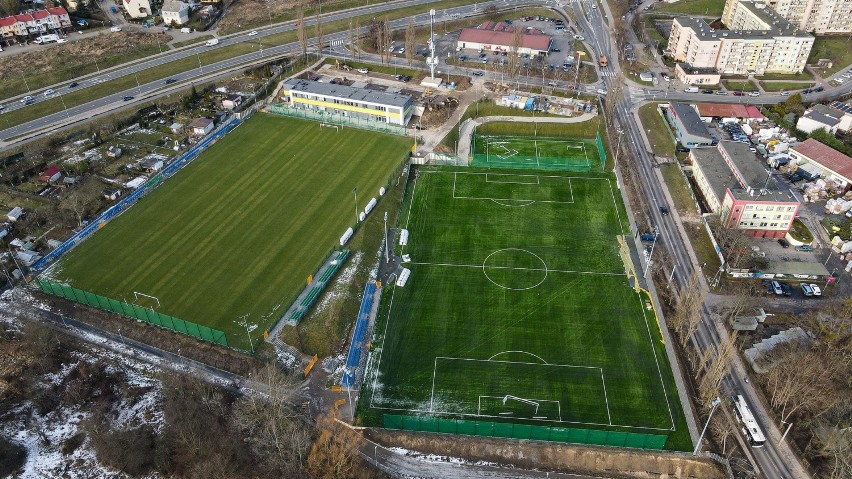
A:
821	189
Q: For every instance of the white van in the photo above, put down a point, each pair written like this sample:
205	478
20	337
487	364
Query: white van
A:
692	89
115	29
212	42
186	30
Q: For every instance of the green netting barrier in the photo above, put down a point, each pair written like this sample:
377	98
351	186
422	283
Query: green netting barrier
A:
601	149
134	311
594	437
536	152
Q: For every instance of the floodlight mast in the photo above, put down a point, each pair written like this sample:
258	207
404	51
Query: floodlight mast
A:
432	61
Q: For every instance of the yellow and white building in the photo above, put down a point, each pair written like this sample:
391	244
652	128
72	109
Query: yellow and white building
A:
348	101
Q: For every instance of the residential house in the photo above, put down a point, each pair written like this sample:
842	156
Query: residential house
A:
201	126
50	20
820	117
846	110
15	214
175	12
176	128
152	164
735	186
113	151
137	8
232	101
50	175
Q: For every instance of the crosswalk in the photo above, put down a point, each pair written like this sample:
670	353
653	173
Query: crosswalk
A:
335	43
608	73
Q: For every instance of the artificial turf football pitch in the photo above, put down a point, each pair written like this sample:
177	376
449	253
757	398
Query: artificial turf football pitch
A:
238	231
518	310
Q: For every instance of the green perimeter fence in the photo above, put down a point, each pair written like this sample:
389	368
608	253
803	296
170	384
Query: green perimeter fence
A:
134	311
336	119
537	160
594	437
601	150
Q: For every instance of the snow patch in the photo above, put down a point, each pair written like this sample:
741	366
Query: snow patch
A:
439	458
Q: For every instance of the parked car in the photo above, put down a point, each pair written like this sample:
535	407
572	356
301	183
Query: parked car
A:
816	289
739	93
787	289
707	92
784	243
806	288
721	92
364	70
804	247
818	89
406	78
754	93
478	73
776	288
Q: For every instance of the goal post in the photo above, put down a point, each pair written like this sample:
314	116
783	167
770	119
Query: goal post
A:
137	294
329	125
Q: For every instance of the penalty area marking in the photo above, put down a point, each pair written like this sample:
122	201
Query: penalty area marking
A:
510	413
531	201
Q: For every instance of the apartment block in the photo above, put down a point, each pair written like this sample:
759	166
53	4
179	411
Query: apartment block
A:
819	17
767	44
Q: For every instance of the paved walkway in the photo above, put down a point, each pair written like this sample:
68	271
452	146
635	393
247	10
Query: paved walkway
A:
470	125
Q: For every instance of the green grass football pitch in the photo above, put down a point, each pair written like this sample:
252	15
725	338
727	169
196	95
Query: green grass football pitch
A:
518	309
501	151
239	230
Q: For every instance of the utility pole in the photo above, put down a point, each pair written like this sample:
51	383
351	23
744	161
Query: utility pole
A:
653	245
715	403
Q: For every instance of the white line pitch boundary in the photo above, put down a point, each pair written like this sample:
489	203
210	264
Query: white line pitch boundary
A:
529	201
558	406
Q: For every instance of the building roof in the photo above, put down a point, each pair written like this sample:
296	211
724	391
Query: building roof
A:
781	28
38	15
690	120
50	171
721	177
173	6
821	117
503	38
7	21
348	92
826	156
234	97
841	107
201	123
57	11
725	110
797	268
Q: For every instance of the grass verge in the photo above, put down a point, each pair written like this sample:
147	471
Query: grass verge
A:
657	129
836	49
693	7
679	189
784	86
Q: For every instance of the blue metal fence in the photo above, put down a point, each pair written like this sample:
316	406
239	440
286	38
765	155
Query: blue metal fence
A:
143	190
354	356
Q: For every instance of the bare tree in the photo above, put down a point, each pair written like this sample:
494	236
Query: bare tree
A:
318	30
723	427
409	41
357	37
10	7
350	38
514	54
686	310
300	30
710	379
74	204
334	451
387	39
613	97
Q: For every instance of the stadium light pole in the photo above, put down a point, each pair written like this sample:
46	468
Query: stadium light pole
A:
387	242
715	403
355	192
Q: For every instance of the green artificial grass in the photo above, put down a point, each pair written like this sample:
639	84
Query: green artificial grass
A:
536	152
517	289
239	230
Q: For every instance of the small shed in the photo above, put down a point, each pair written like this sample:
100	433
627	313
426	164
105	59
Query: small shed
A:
152	164
113	151
111	194
16	213
201	126
232	101
50	175
176	128
28	257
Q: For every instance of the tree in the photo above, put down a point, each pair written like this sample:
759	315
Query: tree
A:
686	309
351	38
74	204
10	7
334	450
492	12
514	54
409	41
710	379
318	34
300	30
613	98
386	39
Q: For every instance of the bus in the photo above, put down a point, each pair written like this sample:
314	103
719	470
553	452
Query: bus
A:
751	429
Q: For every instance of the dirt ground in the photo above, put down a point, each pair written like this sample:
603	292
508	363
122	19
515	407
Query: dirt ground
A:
619	463
106	48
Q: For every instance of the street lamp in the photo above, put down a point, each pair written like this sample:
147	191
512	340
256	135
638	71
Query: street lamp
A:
387	242
715	403
653	245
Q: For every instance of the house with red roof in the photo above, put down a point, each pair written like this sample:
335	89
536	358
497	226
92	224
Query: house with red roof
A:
50	175
825	161
500	37
51	20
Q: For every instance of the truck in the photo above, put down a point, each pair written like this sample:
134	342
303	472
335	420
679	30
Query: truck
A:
692	89
214	41
602	61
45	39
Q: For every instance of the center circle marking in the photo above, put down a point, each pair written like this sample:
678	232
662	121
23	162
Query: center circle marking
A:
543	269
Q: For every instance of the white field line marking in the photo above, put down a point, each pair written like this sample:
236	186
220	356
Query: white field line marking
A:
453	358
449	413
523	352
434	371
537	179
558	406
656	360
606	398
512	199
615	204
513	206
519	269
382	352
